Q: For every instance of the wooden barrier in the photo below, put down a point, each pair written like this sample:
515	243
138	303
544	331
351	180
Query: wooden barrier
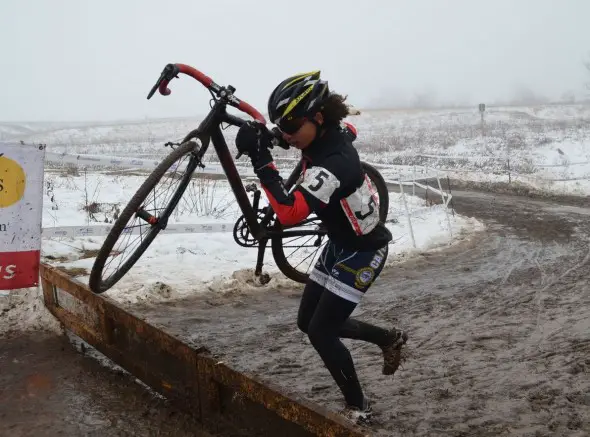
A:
225	401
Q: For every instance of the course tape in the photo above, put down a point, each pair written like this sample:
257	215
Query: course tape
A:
465	157
151	164
135	163
102	230
562	165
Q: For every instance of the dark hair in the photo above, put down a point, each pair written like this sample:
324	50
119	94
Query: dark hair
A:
334	109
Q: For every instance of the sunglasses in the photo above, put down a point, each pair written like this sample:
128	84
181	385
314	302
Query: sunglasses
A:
291	126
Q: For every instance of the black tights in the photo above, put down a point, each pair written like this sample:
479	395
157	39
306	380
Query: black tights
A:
325	318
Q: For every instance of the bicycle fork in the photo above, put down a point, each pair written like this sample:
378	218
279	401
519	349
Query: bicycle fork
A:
262	242
264	278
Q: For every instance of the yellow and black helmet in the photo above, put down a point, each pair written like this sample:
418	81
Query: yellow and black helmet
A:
297	96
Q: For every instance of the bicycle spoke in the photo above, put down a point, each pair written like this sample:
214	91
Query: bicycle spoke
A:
128	244
295	239
166	192
307	257
138	228
299	247
122	251
129	248
169	182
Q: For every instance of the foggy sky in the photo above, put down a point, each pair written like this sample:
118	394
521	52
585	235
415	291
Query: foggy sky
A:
96	60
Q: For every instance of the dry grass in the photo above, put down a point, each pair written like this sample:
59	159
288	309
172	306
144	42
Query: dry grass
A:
56	258
88	253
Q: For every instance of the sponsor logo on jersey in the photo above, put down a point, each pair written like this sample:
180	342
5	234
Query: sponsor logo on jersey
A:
376	261
364	277
378	258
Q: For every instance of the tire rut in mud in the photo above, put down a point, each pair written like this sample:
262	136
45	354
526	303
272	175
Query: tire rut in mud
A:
499	332
49	389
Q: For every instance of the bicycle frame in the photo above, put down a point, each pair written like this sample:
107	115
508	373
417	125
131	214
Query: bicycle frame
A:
210	128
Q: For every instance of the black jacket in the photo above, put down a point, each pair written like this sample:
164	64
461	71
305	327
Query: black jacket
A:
334	187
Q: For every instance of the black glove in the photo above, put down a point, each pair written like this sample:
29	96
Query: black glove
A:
254	139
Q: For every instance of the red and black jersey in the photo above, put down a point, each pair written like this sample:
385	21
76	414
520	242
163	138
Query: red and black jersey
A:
334	186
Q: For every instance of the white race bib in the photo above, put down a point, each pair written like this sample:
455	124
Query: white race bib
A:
362	208
320	183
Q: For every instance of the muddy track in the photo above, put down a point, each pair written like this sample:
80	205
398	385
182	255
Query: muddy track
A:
47	388
499	342
499	329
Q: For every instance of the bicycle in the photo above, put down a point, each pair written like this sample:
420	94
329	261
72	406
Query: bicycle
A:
254	228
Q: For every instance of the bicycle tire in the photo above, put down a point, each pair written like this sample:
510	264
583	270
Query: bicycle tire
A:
277	243
96	282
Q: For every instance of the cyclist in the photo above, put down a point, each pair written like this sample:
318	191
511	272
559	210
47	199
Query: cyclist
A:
335	188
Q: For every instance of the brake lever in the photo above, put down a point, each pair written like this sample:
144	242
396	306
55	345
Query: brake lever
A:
154	88
157	85
169	72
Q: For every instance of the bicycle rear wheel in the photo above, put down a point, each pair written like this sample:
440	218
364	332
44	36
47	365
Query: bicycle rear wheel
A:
143	218
296	256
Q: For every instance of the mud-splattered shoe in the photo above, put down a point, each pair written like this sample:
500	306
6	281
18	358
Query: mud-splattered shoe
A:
392	352
359	416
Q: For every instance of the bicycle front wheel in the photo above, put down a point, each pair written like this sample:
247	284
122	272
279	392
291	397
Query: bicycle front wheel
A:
295	256
143	218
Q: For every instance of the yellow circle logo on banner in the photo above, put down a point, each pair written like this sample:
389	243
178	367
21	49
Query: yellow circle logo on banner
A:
12	182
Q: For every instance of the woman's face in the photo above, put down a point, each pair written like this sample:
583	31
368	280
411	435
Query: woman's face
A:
302	131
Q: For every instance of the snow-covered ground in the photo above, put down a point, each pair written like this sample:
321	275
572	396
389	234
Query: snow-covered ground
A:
545	148
542	147
178	265
189	263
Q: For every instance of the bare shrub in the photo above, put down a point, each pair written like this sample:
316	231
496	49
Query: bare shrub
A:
205	196
102	212
92	208
545	140
70	170
525	166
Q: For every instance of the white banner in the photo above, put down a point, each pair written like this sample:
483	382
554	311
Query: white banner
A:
21	207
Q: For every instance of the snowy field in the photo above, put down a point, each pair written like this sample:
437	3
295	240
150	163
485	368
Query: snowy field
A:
545	148
189	263
179	265
542	147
